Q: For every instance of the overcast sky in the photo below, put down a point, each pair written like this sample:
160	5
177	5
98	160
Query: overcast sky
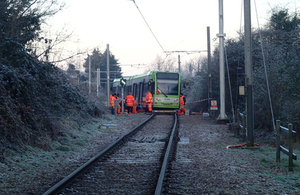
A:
177	25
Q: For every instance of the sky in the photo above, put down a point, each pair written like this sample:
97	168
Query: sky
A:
175	26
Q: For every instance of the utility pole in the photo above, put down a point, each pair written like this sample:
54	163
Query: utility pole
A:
90	74
249	73
179	63
222	117
98	81
209	69
107	65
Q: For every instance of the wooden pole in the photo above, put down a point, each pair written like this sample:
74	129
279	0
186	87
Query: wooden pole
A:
291	144
108	79
249	74
278	141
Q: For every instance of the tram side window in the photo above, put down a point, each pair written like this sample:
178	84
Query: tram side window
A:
151	87
134	91
137	92
141	91
145	89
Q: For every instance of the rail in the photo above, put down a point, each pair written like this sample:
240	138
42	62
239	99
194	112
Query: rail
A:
64	182
159	186
291	139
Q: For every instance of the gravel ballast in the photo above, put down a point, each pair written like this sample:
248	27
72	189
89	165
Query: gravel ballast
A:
203	165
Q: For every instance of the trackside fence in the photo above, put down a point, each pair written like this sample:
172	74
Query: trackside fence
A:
242	131
291	139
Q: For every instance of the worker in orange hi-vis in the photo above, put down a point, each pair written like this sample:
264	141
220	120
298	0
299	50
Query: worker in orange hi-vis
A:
134	107
129	102
149	101
182	103
112	99
118	106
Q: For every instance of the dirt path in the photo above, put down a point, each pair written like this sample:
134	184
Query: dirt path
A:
207	167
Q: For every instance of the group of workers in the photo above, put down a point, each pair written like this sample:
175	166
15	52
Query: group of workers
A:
130	103
114	107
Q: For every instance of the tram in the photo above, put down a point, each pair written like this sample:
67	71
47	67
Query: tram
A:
164	87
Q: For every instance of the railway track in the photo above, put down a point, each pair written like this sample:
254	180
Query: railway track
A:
135	164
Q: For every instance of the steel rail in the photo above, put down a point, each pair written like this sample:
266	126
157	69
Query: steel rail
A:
159	185
67	180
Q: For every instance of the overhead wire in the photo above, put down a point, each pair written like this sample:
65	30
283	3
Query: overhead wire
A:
148	26
237	75
228	75
265	68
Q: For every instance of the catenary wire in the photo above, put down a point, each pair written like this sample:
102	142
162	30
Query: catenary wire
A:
229	85
148	26
264	62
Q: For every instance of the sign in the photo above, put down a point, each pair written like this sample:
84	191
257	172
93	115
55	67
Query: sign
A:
242	90
213	105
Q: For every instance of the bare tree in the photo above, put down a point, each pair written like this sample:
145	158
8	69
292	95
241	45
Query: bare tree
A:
52	47
24	17
163	64
191	67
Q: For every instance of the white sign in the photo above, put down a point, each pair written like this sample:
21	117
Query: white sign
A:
213	105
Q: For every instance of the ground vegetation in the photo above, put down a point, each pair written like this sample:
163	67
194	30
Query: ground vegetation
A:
275	61
36	98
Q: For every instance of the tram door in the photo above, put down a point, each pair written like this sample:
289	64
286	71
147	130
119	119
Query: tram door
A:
134	91
151	86
140	93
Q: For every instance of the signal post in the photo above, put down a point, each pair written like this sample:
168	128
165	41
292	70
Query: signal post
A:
123	83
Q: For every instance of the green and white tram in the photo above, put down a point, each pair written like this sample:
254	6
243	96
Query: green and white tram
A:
164	87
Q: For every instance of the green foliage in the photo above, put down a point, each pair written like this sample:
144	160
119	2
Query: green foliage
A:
280	41
34	96
63	148
281	45
282	20
99	60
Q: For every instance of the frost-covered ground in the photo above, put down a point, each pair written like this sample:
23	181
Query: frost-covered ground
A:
203	163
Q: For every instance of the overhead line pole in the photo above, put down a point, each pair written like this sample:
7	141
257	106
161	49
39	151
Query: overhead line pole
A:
108	87
249	74
179	63
222	117
209	69
89	74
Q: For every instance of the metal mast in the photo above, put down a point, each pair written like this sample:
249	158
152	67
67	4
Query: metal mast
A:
221	35
249	74
209	68
108	80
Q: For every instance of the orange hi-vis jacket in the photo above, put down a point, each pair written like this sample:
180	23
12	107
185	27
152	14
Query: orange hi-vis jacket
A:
182	109
181	101
129	100
149	98
112	99
134	107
